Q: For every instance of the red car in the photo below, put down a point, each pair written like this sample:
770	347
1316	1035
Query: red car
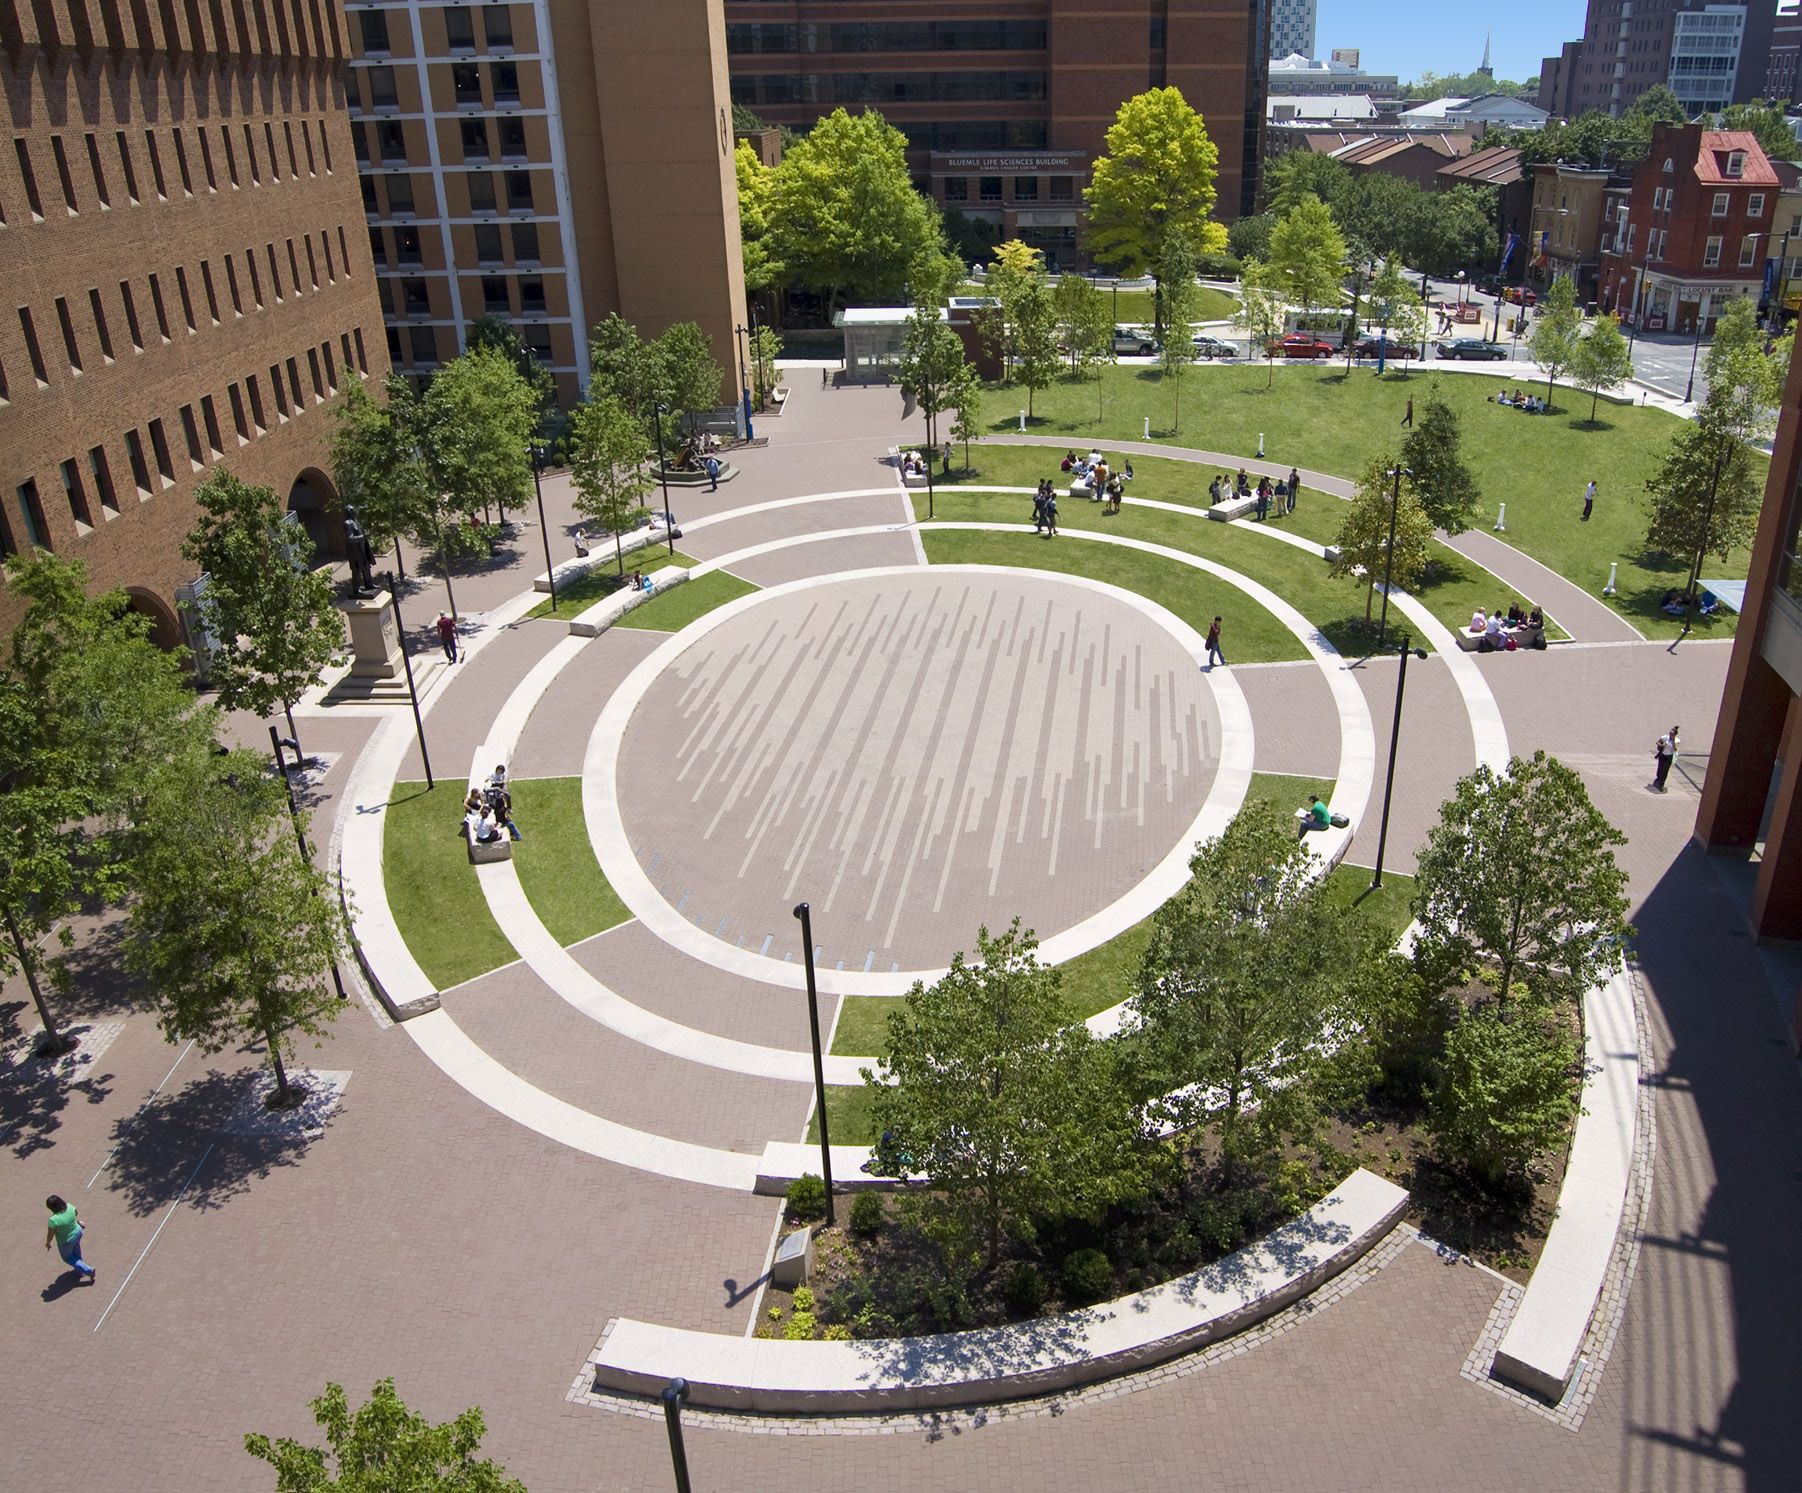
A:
1520	295
1303	345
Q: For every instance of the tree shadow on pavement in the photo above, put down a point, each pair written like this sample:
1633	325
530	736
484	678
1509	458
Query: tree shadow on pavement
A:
35	1091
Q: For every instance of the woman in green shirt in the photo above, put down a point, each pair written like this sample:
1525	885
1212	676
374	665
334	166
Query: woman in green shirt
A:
65	1228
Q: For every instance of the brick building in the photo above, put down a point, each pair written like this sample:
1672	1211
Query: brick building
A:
1712	54
547	162
1004	105
188	281
1695	232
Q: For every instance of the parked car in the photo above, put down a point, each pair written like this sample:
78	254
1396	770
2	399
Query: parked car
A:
1213	347
1472	349
1520	295
1303	345
1374	347
1140	344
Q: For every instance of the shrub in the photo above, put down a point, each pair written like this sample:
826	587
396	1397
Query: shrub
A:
806	1198
866	1215
837	1333
799	1327
1507	1092
1086	1274
1024	1290
804	1301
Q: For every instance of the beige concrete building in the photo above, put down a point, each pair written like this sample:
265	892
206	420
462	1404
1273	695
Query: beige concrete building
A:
547	162
186	280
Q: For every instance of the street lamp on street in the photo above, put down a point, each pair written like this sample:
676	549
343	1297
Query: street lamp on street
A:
550	569
674	1393
669	527
1395	732
1395	503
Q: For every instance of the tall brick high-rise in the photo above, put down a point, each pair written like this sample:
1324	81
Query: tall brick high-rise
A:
187	278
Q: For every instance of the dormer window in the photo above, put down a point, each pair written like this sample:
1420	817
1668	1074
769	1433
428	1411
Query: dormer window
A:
1736	163
1667	163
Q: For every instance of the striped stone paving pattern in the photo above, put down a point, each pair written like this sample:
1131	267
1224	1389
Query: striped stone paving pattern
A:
916	755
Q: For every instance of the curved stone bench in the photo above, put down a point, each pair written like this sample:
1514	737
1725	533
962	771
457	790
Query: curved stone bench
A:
603	614
730	1372
601	552
1538	1352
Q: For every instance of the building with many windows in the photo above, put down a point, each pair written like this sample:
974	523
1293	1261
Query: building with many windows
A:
188	282
547	162
1291	28
1005	105
1695	46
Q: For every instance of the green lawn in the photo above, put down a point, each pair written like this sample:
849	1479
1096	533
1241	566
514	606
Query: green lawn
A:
432	888
682	604
1137	307
556	863
1330	421
603	580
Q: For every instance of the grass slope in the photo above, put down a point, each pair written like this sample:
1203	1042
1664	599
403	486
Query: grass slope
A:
556	864
678	607
432	888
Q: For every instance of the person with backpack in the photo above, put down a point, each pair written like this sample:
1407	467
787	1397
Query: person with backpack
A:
1214	653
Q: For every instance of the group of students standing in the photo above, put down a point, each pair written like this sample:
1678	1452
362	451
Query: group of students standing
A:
1282	492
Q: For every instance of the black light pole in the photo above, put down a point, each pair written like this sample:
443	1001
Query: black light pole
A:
669	528
1395	733
550	568
744	377
1694	352
805	914
674	1393
929	484
406	659
306	856
1395	504
1695	574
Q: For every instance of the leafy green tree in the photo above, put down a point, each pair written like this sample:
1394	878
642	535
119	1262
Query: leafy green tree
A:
274	629
1745	384
88	706
1032	315
1518	883
1766	121
1705	497
932	354
1398	305
231	930
1364	534
1377	210
765	347
1009	1111
1553	340
1507	1091
1448	229
1176	274
1233	991
1088	324
1600	361
1156	177
1431	85
384	1447
622	364
1261	313
844	215
1434	452
1297	173
608	452
966	402
1307	254
500	334
1249	238
378	466
1659	104
688	378
756	194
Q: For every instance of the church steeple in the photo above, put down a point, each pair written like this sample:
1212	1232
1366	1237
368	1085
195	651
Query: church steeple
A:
1483	67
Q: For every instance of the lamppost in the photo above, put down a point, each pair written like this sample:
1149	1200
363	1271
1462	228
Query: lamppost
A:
1395	503
805	914
550	569
1695	352
406	659
669	528
277	741
744	376
1395	732
674	1393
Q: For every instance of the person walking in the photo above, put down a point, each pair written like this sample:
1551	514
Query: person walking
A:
65	1228
447	635
1038	510
713	473
1051	515
1294	487
1589	499
1214	653
1666	753
1408	419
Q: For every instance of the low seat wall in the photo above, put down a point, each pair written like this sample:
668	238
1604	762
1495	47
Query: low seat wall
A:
1228	509
603	614
728	1371
601	552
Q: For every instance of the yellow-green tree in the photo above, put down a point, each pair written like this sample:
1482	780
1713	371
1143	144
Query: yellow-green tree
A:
756	191
1364	541
1307	252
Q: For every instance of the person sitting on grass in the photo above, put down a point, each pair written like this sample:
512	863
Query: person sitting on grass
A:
1069	462
1127	474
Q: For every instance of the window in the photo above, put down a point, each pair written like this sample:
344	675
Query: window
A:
312	261
391	140
37	529
1063	189
212	296
275	273
190	433
466	82
344	342
1158	34
250	157
400	193
1667	165
159	443
293	267
279	390
495	300
353	96
63	173
359	141
30	332
181	163
294	393
481	191
231	156
537	339
362	362
525	243
989	188
424	343
258	417
187	300
1736	163
102	473
519	191
275	165
381	88
125	167
156	165
505	77
140	469
331	265
475	139
331	367
209	414
378	247
162	311
513	139
70	349
288	137
325	145
25	174
531	295
256	280
459	30
239	423
488	244
313	372
415	299
370	202
101	330
76	492
1755	205
375	31
344	250
206	159
131	315
1711	256
1719	210
395	356
957	189
497	25
1748	250
408	246
1026	189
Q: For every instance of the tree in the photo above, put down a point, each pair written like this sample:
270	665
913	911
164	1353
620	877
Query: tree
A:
232	931
966	400
971	239
1249	238
1600	361
687	377
378	468
1307	253
1706	495
844	215
766	347
1297	173
622	365
1176	274
1233	992
931	356
1157	177
500	334
1433	452
1261	313
1506	1092
1518	883
384	1447
1088	324
88	704
1009	1111
1745	383
269	614
1553	340
1398	304
1659	104
1448	229
1765	120
1032	315
607	462
756	194
1364	535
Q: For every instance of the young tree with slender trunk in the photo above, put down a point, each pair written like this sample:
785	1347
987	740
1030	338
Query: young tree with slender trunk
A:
1434	452
932	354
1176	276
1364	540
608	462
1034	319
1088	329
1556	331
1307	254
1506	1091
966	400
378	466
1261	313
1600	361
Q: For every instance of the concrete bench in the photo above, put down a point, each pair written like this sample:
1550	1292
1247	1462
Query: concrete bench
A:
481	853
1538	1352
729	1371
601	552
1524	637
1228	509
603	614
913	479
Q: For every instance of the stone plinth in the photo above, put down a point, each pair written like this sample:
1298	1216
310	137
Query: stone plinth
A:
374	639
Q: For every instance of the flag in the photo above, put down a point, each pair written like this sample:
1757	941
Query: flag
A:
1508	252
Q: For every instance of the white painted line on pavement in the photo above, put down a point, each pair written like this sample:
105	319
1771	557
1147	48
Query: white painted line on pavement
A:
141	1108
153	1238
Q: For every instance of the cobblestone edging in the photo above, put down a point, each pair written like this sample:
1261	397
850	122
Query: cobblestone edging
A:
1617	1282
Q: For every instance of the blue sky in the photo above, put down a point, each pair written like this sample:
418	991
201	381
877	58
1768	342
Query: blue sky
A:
1406	37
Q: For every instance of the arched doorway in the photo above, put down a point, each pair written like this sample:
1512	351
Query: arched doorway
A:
165	626
314	501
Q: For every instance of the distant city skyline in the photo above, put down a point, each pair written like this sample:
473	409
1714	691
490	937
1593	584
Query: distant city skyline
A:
1409	37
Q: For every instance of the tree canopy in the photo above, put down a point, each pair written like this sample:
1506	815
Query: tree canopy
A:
1434	452
378	466
1363	541
1556	331
1600	361
756	204
1765	120
1261	313
500	334
608	456
1506	1090
479	416
932	358
1307	253
1156	176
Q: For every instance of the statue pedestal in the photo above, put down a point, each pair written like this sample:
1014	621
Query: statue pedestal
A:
374	639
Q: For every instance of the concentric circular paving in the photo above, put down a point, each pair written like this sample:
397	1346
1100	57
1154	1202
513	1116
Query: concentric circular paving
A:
914	753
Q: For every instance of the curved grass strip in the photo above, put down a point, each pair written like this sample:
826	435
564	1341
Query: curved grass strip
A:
432	888
693	598
556	864
601	581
